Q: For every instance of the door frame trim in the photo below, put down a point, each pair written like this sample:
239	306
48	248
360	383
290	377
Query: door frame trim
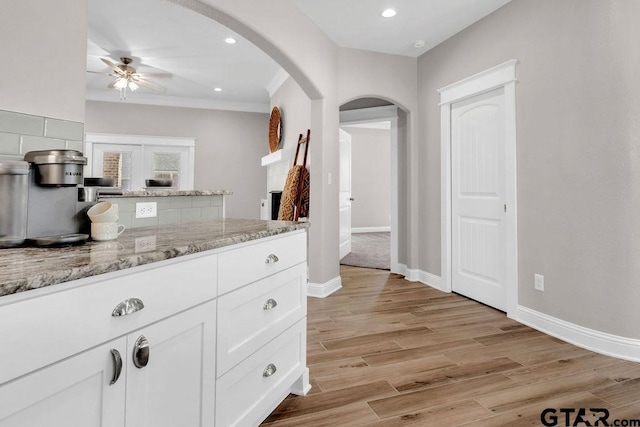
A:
502	75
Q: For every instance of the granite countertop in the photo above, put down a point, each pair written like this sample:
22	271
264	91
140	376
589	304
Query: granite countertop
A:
26	268
167	192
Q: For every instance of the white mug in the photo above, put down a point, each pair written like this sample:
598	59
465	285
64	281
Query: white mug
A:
106	230
103	212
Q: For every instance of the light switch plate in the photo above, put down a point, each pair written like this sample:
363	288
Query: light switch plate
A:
538	282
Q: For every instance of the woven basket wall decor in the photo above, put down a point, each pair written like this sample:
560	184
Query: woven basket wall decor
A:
275	130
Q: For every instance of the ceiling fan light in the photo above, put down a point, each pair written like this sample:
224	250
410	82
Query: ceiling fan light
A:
133	85
121	83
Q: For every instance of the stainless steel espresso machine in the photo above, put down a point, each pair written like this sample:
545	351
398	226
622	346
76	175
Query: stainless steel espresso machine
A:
52	209
40	204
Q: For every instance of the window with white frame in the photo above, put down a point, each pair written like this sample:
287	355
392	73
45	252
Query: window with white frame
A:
132	159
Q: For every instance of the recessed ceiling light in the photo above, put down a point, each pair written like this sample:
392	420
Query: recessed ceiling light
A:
230	40
418	44
388	13
218	89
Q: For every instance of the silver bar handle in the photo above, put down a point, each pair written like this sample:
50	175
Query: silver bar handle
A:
141	352
270	304
272	258
269	370
128	306
117	365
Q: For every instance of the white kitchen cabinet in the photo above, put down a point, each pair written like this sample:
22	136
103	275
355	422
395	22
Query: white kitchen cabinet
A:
75	392
251	390
177	385
262	335
245	303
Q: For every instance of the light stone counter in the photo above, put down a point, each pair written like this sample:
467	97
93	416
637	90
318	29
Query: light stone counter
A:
169	192
23	269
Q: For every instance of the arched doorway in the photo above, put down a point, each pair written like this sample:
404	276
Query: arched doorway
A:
372	112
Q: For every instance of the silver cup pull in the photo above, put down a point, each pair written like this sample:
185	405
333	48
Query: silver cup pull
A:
270	304
269	370
271	259
117	366
128	306
141	352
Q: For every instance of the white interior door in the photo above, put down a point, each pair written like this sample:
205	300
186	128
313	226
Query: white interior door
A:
345	193
478	206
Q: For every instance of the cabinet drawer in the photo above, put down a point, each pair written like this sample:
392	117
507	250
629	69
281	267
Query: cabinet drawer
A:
246	394
253	315
242	266
38	331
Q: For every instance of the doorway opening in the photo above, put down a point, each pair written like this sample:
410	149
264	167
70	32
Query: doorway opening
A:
369	219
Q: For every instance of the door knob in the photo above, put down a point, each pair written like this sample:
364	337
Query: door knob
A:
351	199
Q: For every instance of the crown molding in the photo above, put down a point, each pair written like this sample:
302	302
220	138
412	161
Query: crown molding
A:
174	101
277	81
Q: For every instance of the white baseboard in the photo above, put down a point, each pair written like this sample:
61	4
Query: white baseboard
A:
415	275
596	341
599	342
370	229
322	290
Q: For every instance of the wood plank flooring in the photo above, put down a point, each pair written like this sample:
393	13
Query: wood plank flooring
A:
386	352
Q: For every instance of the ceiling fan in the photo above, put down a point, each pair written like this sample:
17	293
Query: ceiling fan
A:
126	77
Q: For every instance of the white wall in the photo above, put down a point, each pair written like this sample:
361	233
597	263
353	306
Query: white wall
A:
229	145
578	121
295	110
287	35
370	177
392	78
44	55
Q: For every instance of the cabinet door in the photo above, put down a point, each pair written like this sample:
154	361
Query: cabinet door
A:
177	385
75	392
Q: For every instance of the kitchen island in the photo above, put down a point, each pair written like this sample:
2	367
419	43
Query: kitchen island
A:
188	324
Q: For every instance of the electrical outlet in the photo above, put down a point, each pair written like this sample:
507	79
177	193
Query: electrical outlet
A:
146	210
538	282
144	244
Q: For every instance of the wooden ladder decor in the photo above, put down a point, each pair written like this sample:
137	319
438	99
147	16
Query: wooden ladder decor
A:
295	195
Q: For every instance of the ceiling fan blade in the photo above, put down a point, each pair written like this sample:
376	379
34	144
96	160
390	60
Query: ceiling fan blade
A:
113	66
153	75
98	72
149	85
112	84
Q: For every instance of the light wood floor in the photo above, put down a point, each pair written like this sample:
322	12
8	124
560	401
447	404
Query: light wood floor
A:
383	351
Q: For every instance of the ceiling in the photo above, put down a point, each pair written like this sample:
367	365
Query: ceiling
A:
190	51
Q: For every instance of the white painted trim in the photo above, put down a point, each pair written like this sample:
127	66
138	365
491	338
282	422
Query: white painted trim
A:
368	115
370	229
386	125
415	275
502	75
180	102
377	114
276	82
483	81
322	290
599	342
284	154
144	141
